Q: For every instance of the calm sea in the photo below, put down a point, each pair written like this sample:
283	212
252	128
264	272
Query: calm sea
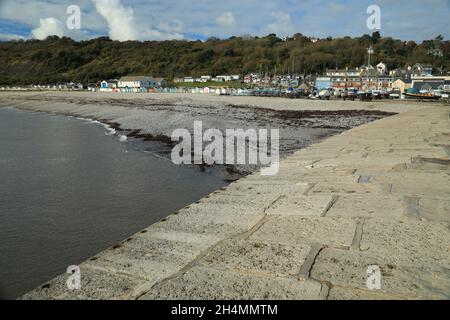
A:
69	190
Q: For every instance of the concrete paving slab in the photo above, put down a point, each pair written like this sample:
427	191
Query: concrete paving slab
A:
340	188
385	163
434	209
157	231
330	179
367	206
219	223
95	285
349	269
201	283
411	187
414	241
144	257
265	191
300	206
258	202
288	230
258	257
440	165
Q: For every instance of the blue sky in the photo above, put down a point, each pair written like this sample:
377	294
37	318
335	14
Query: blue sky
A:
188	19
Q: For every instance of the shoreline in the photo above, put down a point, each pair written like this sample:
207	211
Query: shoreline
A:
198	100
145	120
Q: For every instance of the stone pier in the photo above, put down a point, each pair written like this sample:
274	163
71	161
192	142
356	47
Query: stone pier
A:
377	195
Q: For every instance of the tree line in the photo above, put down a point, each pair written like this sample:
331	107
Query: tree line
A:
57	60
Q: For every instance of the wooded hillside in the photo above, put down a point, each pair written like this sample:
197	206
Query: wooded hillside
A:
63	59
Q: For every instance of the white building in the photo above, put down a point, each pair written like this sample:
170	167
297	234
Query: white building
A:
343	73
225	78
382	69
421	70
136	82
108	85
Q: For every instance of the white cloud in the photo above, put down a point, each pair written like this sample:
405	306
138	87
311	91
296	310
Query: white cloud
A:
155	19
282	25
226	20
151	34
120	19
122	24
48	27
11	37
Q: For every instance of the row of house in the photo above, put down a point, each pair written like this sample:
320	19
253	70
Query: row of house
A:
380	78
276	80
387	83
377	77
133	82
426	84
204	79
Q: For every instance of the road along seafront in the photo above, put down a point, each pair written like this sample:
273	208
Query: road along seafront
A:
377	195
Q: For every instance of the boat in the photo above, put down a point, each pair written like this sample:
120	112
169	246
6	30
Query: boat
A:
415	94
324	94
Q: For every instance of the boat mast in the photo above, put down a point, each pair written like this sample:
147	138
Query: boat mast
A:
370	52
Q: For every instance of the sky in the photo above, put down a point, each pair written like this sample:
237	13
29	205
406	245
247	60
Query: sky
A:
200	19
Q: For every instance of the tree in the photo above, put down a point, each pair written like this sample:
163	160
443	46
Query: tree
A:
284	54
297	36
376	36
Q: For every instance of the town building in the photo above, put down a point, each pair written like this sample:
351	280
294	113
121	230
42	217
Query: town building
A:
402	85
401	73
446	88
435	52
248	79
359	78
225	78
421	70
109	85
344	78
429	83
382	69
136	82
323	83
161	82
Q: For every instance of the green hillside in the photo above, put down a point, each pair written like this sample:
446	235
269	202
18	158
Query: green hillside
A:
60	60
